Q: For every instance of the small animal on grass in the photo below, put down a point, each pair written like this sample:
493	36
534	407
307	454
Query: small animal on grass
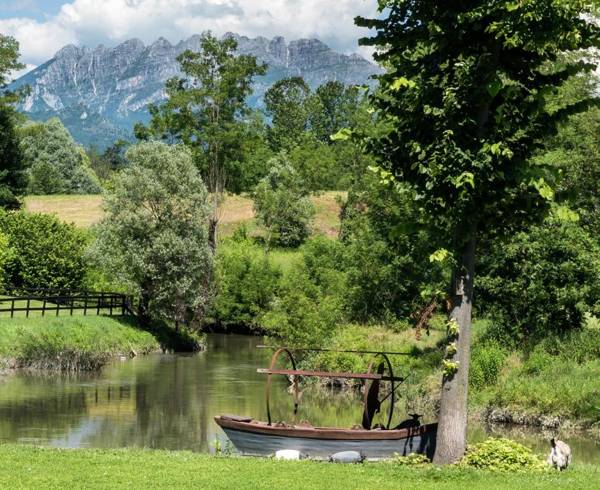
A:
413	421
560	455
347	457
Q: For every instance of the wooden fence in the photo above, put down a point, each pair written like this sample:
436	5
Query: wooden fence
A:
55	302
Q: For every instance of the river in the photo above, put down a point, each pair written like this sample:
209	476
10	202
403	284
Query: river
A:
169	401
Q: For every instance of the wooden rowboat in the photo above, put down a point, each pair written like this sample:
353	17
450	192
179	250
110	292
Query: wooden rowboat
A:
256	438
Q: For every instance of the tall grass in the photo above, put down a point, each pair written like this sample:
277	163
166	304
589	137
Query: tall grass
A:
70	343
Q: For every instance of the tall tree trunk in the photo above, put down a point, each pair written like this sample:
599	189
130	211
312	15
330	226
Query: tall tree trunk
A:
213	226
452	428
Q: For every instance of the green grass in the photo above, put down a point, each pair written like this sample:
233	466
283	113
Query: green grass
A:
70	343
27	467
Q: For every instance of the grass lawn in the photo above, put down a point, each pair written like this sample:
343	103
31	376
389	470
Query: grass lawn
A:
85	211
70	343
28	467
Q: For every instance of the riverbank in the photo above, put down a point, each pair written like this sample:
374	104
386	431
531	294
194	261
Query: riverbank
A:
28	467
75	343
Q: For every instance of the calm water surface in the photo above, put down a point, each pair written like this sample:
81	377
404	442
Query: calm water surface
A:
169	401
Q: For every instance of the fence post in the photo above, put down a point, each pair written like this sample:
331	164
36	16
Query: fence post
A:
12	308
27	311
44	308
85	303
99	303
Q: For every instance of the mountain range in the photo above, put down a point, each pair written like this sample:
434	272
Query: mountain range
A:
100	93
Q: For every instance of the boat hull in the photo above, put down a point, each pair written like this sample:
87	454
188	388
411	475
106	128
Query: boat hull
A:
258	439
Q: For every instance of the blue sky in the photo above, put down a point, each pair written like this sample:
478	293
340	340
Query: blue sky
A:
42	27
34	9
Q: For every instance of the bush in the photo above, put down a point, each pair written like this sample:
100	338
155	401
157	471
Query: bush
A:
302	313
283	206
502	455
6	254
247	282
486	364
539	282
47	253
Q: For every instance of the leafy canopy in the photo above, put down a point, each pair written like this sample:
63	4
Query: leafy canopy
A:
154	236
466	99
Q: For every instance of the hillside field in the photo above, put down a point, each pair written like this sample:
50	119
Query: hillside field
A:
85	211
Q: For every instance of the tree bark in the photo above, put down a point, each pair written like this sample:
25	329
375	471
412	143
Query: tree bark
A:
213	225
452	423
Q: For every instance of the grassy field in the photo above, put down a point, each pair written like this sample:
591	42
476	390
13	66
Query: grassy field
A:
70	343
27	467
85	211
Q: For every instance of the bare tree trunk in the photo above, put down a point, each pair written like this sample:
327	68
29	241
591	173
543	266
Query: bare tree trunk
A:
452	428
213	226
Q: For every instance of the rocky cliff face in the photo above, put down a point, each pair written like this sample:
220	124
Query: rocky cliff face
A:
100	93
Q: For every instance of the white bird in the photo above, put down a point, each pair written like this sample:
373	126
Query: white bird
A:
560	455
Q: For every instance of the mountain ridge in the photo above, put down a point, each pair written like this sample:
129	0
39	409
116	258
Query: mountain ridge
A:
100	93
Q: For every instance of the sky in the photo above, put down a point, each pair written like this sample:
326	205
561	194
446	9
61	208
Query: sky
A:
42	27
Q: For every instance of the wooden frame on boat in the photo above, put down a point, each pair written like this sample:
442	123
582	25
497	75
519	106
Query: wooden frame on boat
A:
263	438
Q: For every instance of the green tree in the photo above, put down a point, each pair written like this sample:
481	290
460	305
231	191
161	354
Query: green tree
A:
6	254
539	282
206	111
46	253
466	100
154	236
13	177
57	164
334	108
288	103
282	204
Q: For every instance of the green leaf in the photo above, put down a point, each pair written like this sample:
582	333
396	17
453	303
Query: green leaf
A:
494	87
401	83
564	214
342	135
463	179
439	255
544	189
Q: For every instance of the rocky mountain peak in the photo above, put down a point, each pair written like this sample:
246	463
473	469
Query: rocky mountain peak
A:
113	86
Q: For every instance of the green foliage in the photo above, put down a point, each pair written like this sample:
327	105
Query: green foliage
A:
414	459
334	107
207	109
302	313
497	454
540	281
13	175
9	58
247	282
71	343
282	205
154	236
386	254
58	165
486	363
462	129
288	104
6	254
47	253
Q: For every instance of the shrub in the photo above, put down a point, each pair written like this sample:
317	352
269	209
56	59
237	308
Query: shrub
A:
539	282
486	364
497	454
537	361
301	313
47	253
6	254
413	459
247	282
283	206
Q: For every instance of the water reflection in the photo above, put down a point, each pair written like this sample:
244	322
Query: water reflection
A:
169	401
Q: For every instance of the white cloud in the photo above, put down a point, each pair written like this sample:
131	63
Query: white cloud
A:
89	22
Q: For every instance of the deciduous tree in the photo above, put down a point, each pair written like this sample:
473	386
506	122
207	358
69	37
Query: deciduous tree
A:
206	109
154	236
466	99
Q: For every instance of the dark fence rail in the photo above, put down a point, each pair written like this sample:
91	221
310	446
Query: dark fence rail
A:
48	301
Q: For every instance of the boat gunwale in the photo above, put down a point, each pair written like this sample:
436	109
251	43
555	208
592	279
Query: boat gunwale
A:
330	433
